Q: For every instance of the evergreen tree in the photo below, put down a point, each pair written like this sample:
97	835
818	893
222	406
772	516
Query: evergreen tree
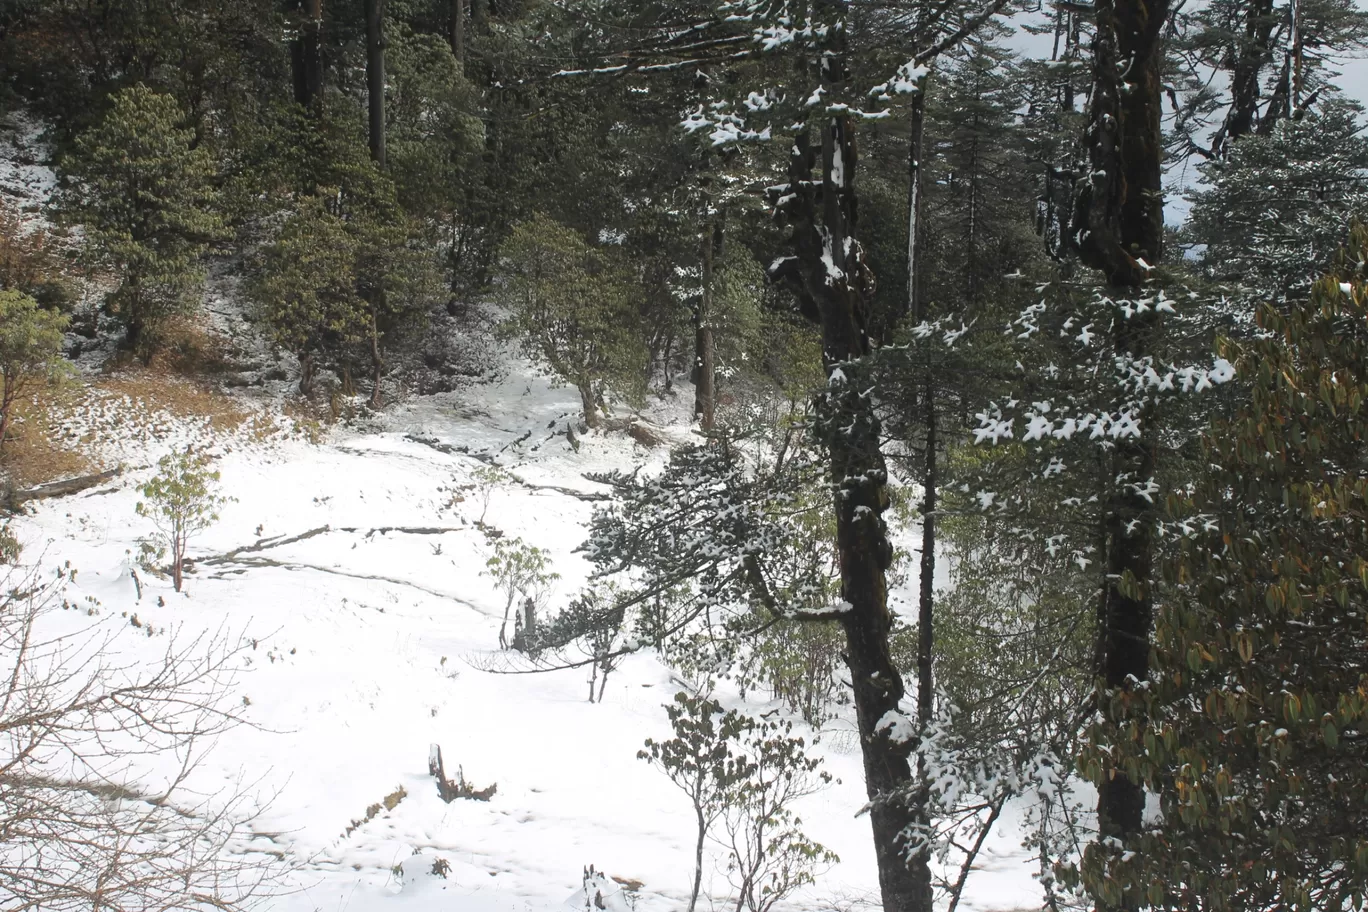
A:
1276	208
1251	731
306	289
30	350
144	191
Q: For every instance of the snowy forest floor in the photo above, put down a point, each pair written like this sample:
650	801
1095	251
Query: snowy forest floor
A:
354	576
372	642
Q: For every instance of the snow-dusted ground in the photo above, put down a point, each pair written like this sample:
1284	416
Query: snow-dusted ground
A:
371	645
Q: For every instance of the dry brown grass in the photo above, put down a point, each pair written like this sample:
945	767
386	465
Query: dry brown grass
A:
156	390
37	450
59	432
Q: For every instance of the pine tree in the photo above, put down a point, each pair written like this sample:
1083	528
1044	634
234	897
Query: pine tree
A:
144	191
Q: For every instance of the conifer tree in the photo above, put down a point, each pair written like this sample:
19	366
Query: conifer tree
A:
1277	206
570	307
144	191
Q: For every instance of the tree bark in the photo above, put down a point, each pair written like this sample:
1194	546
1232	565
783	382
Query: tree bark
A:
1118	215
458	29
375	77
307	55
589	404
821	211
705	371
306	375
926	641
1246	73
916	146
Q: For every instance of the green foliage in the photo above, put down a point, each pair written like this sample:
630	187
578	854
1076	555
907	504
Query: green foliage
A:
305	291
742	776
1277	208
1250	731
519	569
30	350
143	189
570	306
182	500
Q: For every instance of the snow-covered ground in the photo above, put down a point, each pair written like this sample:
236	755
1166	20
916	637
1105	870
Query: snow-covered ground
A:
357	584
370	645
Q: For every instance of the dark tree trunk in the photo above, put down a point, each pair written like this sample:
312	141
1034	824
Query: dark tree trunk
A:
705	371
589	403
915	233
1246	74
458	29
821	211
926	637
306	53
1119	215
307	372
375	77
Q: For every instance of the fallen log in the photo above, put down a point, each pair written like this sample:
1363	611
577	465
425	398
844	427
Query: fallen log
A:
15	499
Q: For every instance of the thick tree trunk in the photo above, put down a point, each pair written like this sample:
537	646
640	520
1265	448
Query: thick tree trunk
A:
458	29
1118	214
375	77
704	372
306	54
1246	74
589	404
821	210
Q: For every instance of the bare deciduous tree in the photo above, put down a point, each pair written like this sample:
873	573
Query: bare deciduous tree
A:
96	755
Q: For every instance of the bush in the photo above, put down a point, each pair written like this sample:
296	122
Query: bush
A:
743	774
570	306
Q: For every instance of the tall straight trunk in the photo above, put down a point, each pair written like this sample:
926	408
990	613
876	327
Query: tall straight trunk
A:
458	28
306	54
926	636
1119	215
704	372
916	146
375	77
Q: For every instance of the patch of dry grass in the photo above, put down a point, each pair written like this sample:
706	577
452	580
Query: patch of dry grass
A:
38	451
59	432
